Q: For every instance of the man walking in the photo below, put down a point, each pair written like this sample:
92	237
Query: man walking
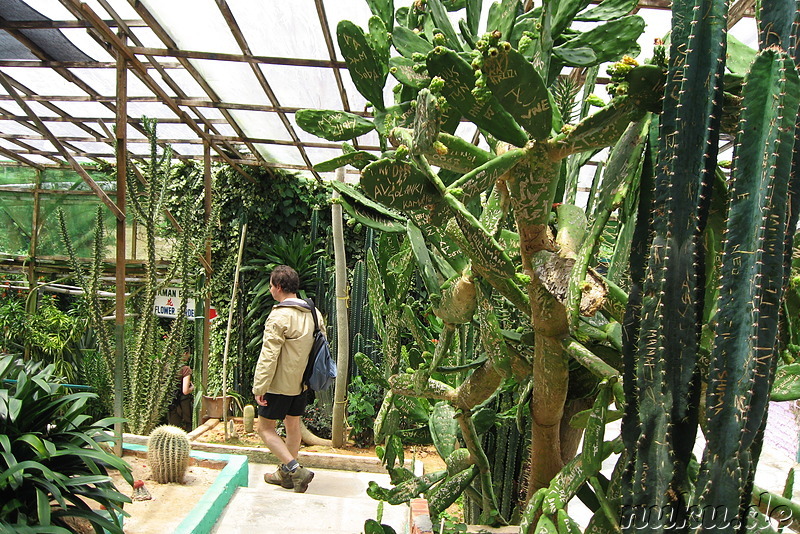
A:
277	384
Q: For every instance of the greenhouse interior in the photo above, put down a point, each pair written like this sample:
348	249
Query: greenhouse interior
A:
442	266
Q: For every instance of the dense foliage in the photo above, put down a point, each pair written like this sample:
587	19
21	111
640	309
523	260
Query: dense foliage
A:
53	469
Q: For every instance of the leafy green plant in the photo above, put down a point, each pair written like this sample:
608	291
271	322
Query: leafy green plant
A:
53	469
12	326
36	325
363	400
318	420
298	253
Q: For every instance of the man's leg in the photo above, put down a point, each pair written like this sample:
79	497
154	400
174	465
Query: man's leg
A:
293	436
276	445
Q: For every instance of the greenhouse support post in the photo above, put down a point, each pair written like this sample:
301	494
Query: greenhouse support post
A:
342	328
228	333
207	298
121	134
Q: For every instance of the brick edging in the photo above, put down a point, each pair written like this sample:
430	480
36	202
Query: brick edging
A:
420	517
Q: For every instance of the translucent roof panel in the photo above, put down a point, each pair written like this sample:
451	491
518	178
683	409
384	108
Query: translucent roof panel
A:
262	125
232	82
275	29
234	71
303	87
194	25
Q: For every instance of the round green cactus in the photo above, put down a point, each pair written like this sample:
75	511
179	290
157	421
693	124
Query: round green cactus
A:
168	454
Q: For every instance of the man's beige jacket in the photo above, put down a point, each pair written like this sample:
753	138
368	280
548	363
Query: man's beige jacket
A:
288	336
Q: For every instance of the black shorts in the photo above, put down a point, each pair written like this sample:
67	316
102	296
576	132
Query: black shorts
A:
279	406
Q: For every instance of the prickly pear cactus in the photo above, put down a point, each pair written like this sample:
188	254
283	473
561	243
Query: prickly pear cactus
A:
168	454
475	223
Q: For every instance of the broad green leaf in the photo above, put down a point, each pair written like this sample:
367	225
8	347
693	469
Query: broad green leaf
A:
520	90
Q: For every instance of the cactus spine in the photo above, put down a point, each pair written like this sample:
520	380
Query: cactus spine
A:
168	454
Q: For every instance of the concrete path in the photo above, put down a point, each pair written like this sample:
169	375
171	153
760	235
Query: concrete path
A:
336	502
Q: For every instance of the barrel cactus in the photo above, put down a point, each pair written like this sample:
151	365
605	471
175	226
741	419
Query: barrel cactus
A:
168	454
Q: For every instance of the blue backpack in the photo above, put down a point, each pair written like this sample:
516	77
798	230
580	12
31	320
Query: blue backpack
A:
320	370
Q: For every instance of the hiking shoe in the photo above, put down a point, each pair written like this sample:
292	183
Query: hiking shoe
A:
279	478
301	477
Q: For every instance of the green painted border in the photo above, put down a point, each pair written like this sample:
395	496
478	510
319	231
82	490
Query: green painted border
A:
204	515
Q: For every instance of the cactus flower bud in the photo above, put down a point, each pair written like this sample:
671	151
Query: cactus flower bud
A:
594	100
436	84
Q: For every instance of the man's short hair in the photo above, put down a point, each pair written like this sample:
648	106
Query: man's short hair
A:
285	278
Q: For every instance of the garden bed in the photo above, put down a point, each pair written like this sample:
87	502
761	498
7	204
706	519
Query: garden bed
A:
170	503
189	508
214	434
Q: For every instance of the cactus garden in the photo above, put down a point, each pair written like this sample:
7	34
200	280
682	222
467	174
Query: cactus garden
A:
569	267
676	328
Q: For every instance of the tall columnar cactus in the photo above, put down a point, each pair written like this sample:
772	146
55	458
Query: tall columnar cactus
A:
168	451
661	417
151	363
744	355
665	370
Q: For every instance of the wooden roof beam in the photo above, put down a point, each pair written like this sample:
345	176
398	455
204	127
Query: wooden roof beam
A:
138	68
233	26
178	141
48	64
738	10
58	24
189	102
16	157
61	149
4	115
238	58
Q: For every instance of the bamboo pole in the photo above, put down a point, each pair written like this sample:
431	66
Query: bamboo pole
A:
228	333
342	328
